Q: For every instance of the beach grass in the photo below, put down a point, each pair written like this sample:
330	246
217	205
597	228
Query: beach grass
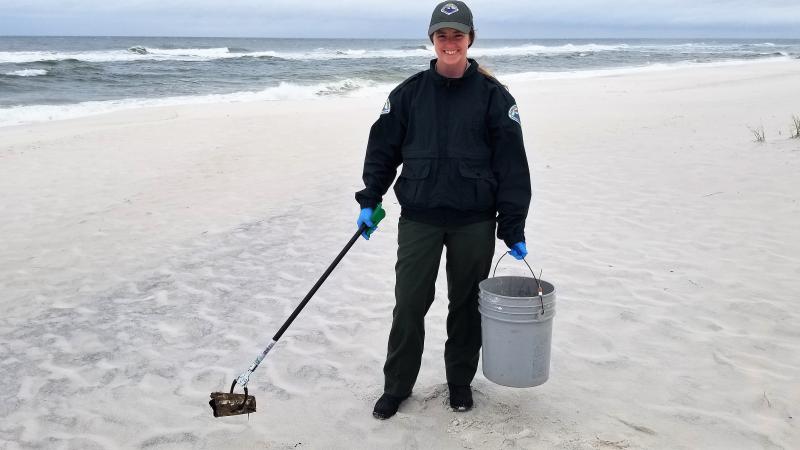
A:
759	134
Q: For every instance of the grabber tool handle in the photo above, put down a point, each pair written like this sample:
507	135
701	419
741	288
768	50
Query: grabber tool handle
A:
377	215
229	404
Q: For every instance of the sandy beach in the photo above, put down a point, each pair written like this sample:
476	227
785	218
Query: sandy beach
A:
149	255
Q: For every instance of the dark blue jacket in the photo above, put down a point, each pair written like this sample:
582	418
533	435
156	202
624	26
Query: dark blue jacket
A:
460	143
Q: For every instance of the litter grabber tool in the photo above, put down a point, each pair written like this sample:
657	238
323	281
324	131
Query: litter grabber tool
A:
232	404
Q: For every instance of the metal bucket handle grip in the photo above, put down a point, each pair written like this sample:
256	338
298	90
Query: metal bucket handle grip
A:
538	285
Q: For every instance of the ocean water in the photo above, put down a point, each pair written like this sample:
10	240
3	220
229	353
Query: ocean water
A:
47	78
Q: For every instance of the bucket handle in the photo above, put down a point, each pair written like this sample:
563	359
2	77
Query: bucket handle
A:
538	285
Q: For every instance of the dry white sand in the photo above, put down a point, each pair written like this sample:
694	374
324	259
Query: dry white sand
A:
148	256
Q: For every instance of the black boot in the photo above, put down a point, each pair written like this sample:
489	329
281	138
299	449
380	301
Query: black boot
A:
460	397
387	406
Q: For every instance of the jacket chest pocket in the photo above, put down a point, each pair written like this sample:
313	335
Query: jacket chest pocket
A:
413	179
478	185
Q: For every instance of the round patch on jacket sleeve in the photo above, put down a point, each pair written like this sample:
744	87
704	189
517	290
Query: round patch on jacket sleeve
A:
386	107
513	113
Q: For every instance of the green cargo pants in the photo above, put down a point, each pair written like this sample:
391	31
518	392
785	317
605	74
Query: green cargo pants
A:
470	249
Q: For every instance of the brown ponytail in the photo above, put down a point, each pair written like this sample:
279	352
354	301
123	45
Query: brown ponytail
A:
488	74
482	70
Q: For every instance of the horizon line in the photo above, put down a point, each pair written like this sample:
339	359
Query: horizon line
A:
375	39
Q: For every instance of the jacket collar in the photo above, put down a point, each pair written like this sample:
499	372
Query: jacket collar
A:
471	70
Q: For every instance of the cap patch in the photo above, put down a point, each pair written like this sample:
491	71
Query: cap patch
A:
513	113
386	107
449	9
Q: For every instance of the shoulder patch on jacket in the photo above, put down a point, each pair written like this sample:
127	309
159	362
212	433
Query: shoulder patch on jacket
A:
513	114
386	107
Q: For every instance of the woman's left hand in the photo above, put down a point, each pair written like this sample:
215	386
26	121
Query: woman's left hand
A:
518	251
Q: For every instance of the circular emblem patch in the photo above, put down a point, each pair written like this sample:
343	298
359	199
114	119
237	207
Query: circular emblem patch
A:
449	9
513	113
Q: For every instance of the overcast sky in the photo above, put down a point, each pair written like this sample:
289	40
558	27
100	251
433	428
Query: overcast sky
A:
401	18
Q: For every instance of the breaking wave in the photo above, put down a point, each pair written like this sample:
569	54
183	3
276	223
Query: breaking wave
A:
138	53
27	73
17	115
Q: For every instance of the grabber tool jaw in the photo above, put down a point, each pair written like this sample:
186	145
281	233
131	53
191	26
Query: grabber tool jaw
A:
231	404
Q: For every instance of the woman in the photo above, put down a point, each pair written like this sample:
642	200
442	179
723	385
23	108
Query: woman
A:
456	130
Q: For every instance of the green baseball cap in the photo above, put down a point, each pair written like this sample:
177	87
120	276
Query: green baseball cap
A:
451	14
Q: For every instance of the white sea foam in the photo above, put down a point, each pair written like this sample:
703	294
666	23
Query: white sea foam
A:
140	53
136	53
427	51
656	67
17	115
524	50
27	73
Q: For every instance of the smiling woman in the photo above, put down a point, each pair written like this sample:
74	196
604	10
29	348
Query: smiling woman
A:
457	133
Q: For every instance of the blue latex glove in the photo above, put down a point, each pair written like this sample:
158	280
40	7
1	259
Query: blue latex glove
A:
518	251
366	218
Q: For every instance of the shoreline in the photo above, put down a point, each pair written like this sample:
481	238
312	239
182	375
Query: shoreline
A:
346	88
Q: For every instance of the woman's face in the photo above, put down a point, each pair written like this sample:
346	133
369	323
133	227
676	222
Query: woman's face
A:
451	46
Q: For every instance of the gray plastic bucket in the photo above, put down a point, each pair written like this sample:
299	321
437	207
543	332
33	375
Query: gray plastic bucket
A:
517	327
